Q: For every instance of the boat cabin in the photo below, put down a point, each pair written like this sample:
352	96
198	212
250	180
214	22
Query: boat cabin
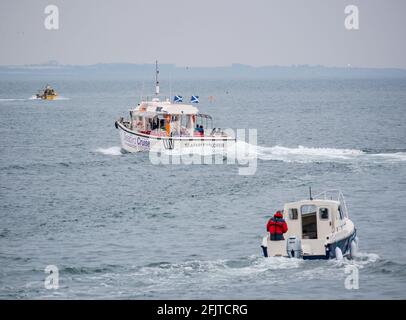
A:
316	222
163	118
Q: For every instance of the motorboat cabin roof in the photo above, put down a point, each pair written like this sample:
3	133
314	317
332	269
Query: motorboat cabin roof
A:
156	106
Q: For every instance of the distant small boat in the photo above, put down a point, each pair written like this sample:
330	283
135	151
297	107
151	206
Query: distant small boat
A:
47	94
318	228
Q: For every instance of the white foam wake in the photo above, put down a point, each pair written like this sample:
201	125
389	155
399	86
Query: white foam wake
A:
392	157
12	99
112	151
61	98
362	260
36	98
303	154
245	151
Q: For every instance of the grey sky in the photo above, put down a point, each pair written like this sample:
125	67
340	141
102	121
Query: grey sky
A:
205	32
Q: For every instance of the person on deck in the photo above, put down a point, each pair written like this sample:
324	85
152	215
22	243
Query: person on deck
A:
198	130
201	130
277	226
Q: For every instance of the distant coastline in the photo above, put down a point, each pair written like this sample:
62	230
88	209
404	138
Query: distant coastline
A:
128	70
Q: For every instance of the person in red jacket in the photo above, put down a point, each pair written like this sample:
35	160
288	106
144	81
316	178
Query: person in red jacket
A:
277	226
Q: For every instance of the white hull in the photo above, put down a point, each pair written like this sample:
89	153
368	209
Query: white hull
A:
132	141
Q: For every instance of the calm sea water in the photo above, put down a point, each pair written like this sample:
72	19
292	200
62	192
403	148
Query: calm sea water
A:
117	226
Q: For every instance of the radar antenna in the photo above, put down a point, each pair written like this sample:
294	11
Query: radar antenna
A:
156	78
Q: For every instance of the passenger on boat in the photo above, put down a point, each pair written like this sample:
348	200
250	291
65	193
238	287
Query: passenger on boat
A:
162	124
155	124
277	226
199	131
216	131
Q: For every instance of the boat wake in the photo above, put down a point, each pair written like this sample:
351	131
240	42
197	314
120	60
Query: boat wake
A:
13	99
303	154
245	151
55	99
360	261
208	278
31	98
61	98
250	268
112	151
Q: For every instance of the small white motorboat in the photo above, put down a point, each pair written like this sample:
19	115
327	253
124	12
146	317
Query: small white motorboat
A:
318	228
155	125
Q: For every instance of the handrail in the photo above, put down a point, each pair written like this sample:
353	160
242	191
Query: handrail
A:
339	197
328	194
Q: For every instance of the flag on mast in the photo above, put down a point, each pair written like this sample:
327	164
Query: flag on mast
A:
177	98
194	99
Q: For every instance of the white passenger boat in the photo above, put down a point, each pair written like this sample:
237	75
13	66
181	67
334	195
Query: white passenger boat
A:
156	124
318	228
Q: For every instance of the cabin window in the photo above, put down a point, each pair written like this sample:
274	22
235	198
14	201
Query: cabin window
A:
309	221
307	209
293	214
323	213
341	213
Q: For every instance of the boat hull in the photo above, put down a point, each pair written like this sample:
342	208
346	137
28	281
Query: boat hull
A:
49	97
132	141
344	245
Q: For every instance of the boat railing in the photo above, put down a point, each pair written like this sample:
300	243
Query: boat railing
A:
336	195
151	98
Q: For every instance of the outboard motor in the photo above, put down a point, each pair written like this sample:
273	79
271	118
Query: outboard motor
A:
294	247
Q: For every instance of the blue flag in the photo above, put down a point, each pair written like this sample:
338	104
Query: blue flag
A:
194	99
177	98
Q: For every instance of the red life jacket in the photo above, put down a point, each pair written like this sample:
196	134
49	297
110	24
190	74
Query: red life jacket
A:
277	225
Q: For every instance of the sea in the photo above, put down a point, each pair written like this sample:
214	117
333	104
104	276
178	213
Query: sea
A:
114	225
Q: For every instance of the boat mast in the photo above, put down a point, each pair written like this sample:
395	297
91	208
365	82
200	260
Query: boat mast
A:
156	78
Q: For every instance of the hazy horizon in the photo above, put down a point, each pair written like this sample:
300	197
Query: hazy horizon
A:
205	33
174	65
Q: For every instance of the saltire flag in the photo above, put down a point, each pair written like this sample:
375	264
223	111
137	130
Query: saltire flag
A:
194	99
177	98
